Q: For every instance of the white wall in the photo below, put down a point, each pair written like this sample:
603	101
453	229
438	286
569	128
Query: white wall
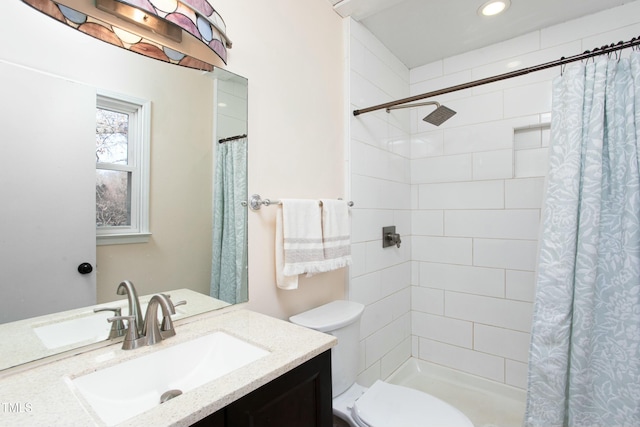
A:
381	189
476	187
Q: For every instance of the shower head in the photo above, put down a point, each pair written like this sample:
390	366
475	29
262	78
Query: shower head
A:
437	117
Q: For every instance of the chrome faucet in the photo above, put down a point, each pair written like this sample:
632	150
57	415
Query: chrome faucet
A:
127	288
151	329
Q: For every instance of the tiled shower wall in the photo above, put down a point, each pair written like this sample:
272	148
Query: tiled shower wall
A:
466	198
381	189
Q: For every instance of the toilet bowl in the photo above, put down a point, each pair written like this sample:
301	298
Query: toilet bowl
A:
382	404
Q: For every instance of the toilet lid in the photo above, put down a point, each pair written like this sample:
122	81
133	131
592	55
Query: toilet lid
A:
389	405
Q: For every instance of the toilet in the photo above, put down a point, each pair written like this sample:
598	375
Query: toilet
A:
382	404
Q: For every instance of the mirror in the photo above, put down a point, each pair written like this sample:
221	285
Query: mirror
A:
185	125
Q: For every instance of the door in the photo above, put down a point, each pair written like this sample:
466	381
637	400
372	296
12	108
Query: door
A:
47	194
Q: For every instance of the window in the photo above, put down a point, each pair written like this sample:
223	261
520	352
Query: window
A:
122	169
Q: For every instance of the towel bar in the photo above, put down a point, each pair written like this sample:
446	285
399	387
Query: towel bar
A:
256	202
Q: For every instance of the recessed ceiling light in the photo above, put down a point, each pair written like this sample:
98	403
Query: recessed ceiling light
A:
494	7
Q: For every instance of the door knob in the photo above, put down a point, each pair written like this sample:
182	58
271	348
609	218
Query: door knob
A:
85	268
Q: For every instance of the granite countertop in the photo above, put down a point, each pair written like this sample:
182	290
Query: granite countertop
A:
41	396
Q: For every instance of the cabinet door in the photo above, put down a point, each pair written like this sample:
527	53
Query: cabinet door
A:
300	398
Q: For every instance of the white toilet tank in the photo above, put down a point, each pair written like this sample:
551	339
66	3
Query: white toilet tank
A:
342	320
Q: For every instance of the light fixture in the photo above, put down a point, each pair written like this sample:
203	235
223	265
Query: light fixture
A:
494	7
184	32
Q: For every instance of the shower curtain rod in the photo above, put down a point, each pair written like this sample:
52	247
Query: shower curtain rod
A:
603	50
232	138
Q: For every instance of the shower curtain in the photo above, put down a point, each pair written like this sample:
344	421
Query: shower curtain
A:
584	361
228	271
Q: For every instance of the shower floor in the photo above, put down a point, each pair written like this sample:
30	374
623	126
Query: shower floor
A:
486	403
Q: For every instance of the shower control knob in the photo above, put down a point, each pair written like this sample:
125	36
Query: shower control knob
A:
85	268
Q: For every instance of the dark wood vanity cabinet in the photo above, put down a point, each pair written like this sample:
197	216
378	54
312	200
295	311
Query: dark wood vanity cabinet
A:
299	398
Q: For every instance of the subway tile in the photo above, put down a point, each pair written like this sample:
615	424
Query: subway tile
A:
462	278
499	312
427	144
510	254
364	93
370	161
527	138
369	374
526	193
427	223
437	83
479	137
375	317
442	169
400	303
385	339
606	20
493	165
462	359
395	278
503	342
378	258
366	289
370	129
520	285
402	220
531	163
527	100
415	346
415	190
483	108
442	329
375	193
396	357
546	136
452	250
427	300
520	61
500	224
358	257
425	72
373	45
463	195
495	52
366	224
415	273
516	374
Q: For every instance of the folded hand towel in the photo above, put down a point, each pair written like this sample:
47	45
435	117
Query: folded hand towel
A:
336	235
300	250
282	281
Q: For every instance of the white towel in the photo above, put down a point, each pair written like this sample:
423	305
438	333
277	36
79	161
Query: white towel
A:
299	246
336	235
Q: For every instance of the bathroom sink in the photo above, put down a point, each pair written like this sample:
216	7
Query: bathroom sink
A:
130	388
87	327
90	327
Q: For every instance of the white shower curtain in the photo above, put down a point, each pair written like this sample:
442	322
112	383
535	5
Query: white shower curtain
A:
584	364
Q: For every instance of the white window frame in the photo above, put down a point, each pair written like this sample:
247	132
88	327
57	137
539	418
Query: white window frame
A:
138	146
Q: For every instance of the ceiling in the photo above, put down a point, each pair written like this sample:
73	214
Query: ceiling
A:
422	31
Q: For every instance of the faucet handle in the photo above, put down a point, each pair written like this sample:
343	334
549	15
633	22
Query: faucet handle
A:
167	330
117	328
132	339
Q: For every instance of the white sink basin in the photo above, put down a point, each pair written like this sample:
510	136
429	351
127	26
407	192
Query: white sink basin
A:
122	391
92	327
88	327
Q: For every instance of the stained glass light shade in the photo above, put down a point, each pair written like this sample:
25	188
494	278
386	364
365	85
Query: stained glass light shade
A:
196	17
